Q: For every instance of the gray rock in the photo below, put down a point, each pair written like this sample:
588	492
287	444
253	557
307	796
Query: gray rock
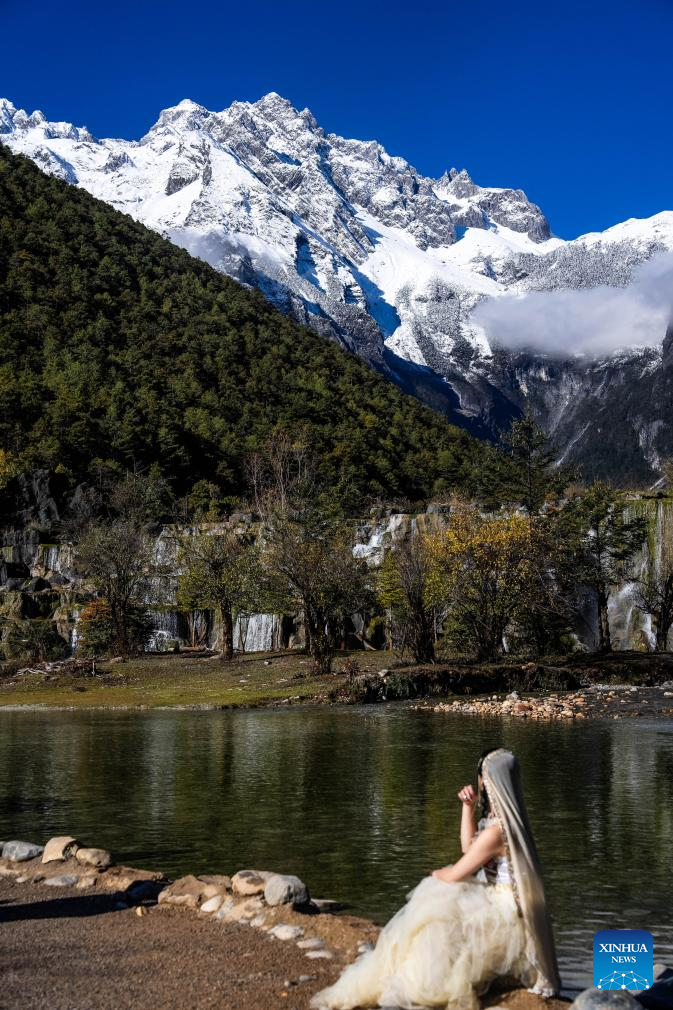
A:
285	889
319	954
225	908
605	999
285	932
100	858
20	852
64	880
312	943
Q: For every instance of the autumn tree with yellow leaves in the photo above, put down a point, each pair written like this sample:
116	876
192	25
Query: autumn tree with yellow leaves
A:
484	570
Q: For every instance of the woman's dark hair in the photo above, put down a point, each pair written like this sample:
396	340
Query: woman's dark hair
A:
483	800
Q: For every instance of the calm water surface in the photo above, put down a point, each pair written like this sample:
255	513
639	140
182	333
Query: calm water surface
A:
359	802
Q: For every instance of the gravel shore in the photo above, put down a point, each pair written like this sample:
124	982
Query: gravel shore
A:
607	701
75	950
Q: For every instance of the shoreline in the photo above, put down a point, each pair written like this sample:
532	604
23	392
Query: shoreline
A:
580	686
598	702
268	919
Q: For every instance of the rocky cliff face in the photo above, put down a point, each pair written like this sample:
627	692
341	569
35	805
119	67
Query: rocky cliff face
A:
361	246
39	581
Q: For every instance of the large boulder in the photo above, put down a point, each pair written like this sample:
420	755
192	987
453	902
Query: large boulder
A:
100	858
285	889
59	848
605	999
21	852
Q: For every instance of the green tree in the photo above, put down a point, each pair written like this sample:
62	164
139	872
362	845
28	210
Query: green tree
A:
534	475
654	596
218	573
115	552
602	538
307	554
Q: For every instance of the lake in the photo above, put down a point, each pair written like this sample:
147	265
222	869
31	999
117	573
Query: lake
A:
359	802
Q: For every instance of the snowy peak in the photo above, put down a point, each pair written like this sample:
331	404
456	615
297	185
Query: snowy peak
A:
13	120
443	283
475	206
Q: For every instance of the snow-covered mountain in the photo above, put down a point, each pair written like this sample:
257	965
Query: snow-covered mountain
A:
447	286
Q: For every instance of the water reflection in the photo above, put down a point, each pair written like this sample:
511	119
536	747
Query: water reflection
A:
358	802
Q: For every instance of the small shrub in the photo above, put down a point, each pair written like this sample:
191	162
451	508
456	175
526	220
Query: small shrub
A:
36	641
350	667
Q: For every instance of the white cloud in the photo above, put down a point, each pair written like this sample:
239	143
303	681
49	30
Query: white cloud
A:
592	321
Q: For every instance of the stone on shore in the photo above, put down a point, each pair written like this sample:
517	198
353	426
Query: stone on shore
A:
284	932
63	880
21	852
99	858
312	943
249	882
188	891
212	904
59	848
241	911
285	889
605	999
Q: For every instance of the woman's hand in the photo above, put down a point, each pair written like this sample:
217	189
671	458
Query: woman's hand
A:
467	795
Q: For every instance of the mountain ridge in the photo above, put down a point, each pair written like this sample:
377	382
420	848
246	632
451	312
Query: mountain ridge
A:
395	266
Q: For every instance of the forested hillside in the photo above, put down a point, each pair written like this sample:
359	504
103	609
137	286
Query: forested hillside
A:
120	350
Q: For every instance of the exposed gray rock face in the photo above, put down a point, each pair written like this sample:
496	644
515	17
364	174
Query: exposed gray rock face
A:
392	264
475	207
605	999
283	889
21	852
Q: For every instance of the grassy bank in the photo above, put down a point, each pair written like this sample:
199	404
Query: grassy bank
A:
155	680
285	677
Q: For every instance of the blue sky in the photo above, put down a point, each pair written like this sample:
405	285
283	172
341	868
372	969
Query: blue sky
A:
570	101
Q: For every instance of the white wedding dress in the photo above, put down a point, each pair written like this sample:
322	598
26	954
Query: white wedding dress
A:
443	948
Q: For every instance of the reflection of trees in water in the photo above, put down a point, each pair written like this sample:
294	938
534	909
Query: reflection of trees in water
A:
361	804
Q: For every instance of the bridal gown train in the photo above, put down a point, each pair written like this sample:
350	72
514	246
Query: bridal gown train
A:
444	947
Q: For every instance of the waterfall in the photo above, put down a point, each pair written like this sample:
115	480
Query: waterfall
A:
165	632
256	632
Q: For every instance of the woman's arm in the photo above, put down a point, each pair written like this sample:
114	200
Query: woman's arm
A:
468	826
487	844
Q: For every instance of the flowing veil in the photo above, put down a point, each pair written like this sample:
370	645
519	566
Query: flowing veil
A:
500	771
